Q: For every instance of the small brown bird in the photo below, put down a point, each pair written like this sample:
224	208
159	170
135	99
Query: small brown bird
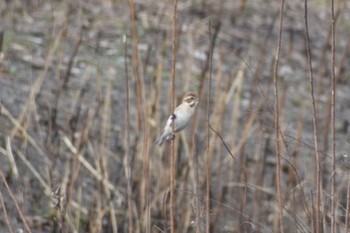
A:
181	117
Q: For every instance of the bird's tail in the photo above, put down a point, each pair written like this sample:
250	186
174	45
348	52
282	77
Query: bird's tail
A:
161	139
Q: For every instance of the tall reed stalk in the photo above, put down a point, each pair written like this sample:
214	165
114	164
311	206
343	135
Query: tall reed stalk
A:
172	162
279	225
333	91
318	220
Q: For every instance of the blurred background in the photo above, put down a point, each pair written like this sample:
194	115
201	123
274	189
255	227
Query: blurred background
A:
85	90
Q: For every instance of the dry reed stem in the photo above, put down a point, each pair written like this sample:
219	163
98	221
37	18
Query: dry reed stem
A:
315	127
209	157
78	214
2	33
323	60
59	199
333	91
193	163
146	143
299	133
98	211
14	169
96	223
146	177
347	216
143	148
105	125
172	159
76	47
235	89
205	69
262	59
7	221
76	109
47	189
279	223
15	202
295	155
321	70
18	126
126	161
73	164
219	109
342	63
90	168
243	174
135	65
327	122
194	181
39	81
157	90
146	162
326	127
260	158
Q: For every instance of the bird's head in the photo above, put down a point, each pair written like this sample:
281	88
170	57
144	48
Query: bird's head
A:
191	99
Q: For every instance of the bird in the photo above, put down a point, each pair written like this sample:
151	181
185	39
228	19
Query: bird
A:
181	116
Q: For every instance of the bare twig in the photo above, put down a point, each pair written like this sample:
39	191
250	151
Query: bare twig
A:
208	162
11	158
172	163
1	48
68	72
127	168
204	71
135	64
7	221
90	168
347	216
278	152
315	129
15	202
333	181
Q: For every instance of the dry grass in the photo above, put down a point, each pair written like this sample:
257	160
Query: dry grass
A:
87	86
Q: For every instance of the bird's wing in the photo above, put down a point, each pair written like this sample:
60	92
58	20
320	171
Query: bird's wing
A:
171	118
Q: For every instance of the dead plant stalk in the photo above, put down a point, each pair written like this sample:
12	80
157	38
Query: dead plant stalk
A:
333	89
127	168
278	152
15	202
209	158
315	127
172	163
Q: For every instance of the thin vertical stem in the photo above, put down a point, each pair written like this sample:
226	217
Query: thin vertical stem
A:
25	224
278	152
135	63
333	191
347	204
127	137
7	221
172	163
208	136
314	119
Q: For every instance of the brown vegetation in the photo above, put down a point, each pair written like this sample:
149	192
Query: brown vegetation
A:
86	88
